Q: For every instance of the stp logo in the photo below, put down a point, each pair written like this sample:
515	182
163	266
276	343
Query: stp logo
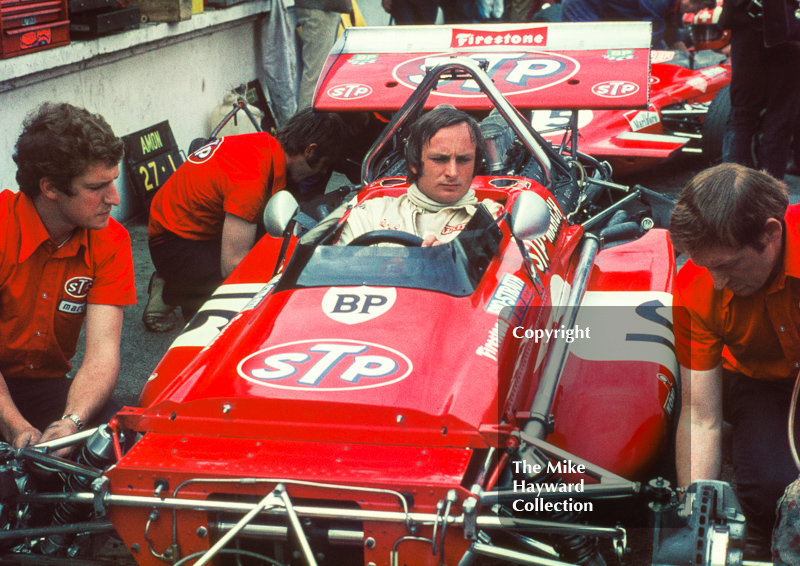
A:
78	287
206	152
325	365
615	89
349	92
513	73
352	305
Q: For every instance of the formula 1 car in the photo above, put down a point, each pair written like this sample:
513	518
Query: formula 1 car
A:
688	110
506	398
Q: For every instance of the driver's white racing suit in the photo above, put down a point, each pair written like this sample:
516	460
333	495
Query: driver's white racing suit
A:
419	216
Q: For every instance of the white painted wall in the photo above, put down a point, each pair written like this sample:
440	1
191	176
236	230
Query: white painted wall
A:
176	78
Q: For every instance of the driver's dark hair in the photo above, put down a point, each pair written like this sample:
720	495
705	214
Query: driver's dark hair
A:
307	127
60	142
421	132
726	206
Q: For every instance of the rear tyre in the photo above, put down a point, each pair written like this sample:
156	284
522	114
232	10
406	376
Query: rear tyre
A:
716	120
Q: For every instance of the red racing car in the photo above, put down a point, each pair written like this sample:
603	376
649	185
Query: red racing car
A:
506	398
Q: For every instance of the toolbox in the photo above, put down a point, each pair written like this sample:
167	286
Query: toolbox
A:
32	25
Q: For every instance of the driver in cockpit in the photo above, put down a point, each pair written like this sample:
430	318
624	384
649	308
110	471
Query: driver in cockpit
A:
445	148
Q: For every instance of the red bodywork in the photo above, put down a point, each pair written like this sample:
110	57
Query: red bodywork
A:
634	140
389	410
420	431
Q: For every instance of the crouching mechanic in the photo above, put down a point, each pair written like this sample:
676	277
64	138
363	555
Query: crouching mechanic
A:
63	260
203	221
444	151
737	331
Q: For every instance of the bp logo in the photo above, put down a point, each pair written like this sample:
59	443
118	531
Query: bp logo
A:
512	73
206	152
325	365
78	287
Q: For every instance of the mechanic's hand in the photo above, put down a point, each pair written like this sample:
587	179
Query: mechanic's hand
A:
387	5
59	429
430	240
26	437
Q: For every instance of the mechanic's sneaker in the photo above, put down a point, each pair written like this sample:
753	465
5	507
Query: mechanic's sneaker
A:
157	316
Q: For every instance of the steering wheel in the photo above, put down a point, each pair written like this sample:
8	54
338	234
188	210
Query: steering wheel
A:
387	237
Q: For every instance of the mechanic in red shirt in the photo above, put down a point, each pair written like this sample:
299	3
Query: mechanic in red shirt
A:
737	333
63	260
203	221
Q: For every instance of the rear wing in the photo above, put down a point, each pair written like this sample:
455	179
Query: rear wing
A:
553	66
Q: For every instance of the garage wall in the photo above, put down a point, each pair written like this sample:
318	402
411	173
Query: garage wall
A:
145	77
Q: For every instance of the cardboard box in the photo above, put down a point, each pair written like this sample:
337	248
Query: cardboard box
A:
163	10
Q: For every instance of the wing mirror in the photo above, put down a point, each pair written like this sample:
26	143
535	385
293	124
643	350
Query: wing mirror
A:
279	212
530	216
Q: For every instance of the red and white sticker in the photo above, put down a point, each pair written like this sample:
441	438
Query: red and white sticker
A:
615	89
643	119
476	37
206	152
78	287
661	56
349	91
698	83
512	73
325	365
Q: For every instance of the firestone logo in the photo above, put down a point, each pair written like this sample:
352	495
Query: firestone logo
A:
615	89
536	37
325	365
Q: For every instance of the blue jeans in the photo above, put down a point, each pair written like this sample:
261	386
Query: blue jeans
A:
765	88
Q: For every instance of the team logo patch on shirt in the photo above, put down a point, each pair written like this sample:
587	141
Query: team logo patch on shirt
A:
71	307
78	287
206	152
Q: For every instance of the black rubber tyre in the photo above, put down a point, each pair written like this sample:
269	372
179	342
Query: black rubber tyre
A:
716	120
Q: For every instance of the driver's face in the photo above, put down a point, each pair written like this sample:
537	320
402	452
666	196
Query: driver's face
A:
448	164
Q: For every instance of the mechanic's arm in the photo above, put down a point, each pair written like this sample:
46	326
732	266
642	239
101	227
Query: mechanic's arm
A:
13	426
699	441
238	238
95	380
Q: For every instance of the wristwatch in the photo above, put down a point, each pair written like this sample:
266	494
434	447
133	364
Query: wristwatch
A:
76	419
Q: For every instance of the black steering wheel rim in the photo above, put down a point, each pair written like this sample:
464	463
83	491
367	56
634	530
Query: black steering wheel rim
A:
387	237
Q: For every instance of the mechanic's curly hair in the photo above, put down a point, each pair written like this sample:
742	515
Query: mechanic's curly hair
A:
443	116
60	142
327	130
726	206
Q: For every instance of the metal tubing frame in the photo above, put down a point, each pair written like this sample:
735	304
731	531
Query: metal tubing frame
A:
537	425
517	557
419	96
428	519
